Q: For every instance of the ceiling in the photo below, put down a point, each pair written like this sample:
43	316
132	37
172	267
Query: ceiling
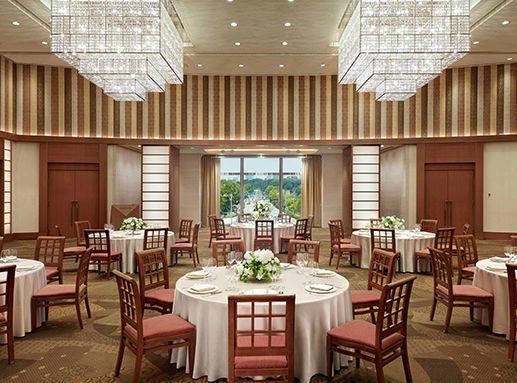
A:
210	39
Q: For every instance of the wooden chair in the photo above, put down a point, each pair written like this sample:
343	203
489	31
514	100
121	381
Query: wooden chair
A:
65	294
513	238
265	348
153	274
467	229
79	232
456	295
187	247
429	225
143	336
300	230
99	239
308	230
184	232
70	252
338	249
244	217
339	222
49	250
222	247
264	235
467	256
512	300
154	238
375	222
213	232
283	218
378	343
380	273
303	246
220	230
7	273
384	239
443	241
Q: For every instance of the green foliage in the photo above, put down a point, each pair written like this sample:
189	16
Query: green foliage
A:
229	188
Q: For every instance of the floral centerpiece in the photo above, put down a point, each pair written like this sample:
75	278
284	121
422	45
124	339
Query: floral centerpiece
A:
262	209
259	264
133	224
392	222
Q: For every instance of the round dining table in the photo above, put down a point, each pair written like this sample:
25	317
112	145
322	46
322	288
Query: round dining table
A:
406	241
491	276
129	243
246	230
315	313
29	278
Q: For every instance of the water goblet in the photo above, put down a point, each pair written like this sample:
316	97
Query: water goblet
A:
301	260
230	258
3	255
208	265
417	227
508	251
239	257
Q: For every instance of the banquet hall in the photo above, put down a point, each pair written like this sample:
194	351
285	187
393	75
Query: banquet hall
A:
256	81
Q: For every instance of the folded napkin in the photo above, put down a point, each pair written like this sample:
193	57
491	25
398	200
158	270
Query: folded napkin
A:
203	288
500	259
325	273
197	274
25	268
321	287
496	267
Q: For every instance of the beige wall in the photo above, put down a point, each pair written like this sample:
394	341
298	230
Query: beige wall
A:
190	187
500	187
332	187
398	183
124	182
25	187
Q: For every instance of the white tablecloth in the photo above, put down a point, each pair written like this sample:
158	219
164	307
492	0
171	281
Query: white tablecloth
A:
26	283
407	242
247	232
315	314
128	244
495	282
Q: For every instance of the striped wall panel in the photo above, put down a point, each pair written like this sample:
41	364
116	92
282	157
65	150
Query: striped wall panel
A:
51	101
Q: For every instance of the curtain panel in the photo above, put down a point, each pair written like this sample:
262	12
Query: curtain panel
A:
311	188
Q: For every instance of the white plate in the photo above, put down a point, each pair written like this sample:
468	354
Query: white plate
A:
197	275
25	268
320	288
500	260
495	266
325	274
202	289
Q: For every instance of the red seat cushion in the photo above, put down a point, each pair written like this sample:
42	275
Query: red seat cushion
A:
349	247
344	241
161	326
365	297
103	256
363	332
182	246
263	362
467	291
57	290
264	239
424	253
2	318
74	250
469	269
180	240
160	296
51	272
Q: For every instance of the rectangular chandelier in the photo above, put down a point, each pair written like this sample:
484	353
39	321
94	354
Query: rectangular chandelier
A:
394	47
126	47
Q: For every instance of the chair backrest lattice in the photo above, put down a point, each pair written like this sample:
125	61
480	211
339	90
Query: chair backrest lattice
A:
155	238
444	238
49	250
383	239
153	270
312	248
185	229
264	228
429	225
382	269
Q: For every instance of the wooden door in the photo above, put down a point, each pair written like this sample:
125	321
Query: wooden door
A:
73	191
449	194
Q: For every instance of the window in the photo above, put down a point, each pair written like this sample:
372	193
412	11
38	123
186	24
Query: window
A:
247	180
365	185
7	187
155	185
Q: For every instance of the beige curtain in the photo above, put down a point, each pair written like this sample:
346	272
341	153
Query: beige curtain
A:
311	188
210	178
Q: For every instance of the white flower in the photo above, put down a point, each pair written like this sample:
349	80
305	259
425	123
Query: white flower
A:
259	264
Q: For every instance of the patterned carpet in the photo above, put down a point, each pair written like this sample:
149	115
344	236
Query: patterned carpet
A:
59	351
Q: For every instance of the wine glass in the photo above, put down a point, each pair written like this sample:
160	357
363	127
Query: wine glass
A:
208	265
301	261
230	258
508	251
417	227
239	257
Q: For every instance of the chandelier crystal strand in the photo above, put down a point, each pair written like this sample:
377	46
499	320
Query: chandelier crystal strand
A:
126	47
394	47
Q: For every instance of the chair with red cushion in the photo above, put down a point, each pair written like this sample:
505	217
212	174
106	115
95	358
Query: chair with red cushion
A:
429	225
79	231
382	269
7	273
300	232
339	222
102	254
308	230
338	249
185	231
65	294
511	269
378	343
49	250
213	232
452	295
443	240
267	347
384	239
154	238
187	247
143	336
513	238
467	256
154	280
312	248
222	247
264	234
71	252
220	229
283	218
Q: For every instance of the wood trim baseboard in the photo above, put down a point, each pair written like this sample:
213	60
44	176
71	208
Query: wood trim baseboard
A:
21	236
500	236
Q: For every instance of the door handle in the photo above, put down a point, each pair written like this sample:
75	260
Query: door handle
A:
72	212
448	213
76	210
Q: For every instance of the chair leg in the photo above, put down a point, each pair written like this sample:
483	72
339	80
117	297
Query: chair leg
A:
379	369
191	354
108	269
433	308
10	343
372	314
448	318
138	364
329	359
511	340
491	314
471	311
405	362
78	310
338	257
87	304
119	357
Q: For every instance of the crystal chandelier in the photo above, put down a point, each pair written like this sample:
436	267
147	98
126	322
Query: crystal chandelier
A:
126	47
394	47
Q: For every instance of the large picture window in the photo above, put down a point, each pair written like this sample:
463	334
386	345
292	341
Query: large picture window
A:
271	181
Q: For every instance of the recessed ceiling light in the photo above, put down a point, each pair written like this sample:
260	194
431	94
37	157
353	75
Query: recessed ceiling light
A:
284	43
237	43
230	1
241	65
475	42
505	22
287	24
233	24
16	23
44	42
281	65
199	65
509	58
323	65
290	1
